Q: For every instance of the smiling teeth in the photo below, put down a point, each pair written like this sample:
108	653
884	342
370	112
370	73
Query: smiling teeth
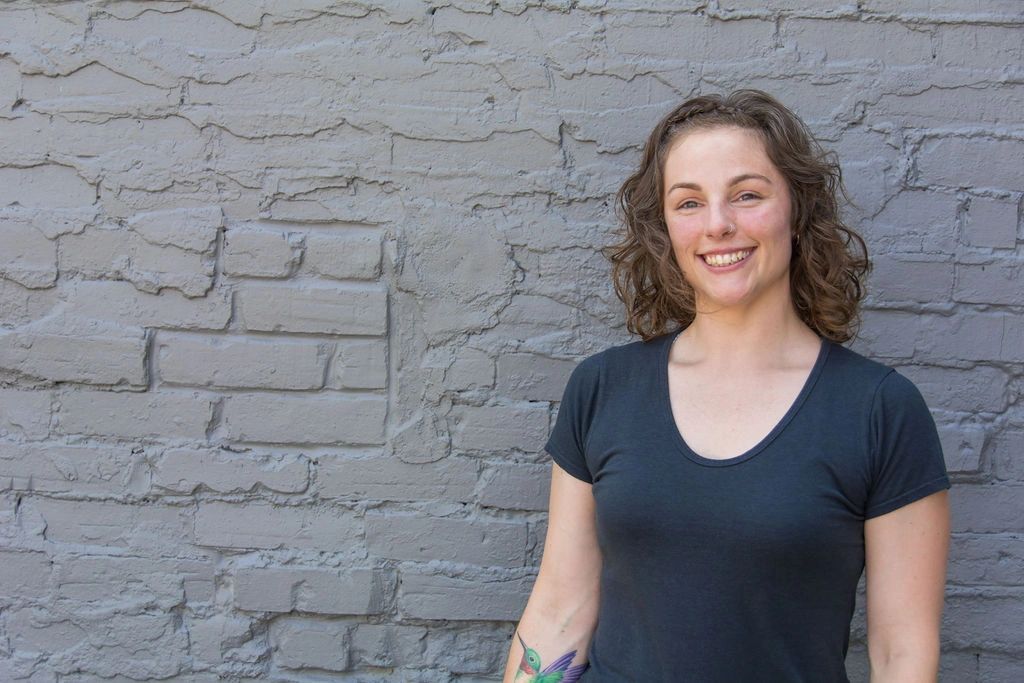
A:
726	259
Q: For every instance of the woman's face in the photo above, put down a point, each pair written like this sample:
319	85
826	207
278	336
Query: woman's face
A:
723	195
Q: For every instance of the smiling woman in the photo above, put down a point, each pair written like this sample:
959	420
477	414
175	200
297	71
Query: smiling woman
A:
736	220
720	485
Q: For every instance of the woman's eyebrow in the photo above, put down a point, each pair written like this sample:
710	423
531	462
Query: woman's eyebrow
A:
738	179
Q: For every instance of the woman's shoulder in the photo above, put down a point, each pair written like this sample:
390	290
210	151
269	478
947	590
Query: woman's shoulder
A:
625	362
636	349
854	369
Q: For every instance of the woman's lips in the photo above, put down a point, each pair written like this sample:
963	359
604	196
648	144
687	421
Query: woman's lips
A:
732	266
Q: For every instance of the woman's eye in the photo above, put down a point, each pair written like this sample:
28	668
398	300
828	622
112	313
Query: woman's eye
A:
748	195
688	204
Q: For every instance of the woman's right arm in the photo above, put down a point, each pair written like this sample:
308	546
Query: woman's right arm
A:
561	614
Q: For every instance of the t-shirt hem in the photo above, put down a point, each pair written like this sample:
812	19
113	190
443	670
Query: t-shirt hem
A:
568	465
937	484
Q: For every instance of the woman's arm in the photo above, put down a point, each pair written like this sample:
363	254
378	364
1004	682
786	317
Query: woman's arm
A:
561	614
906	551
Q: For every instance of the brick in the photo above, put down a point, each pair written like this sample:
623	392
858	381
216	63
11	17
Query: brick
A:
462	277
905	280
997	283
10	84
324	310
232	105
128	582
351	255
80	469
238	362
980	390
969	615
301	643
515	487
991	667
114	253
66	349
24	575
360	364
591	104
95	89
497	159
492	428
120	302
20	305
388	478
1005	455
986	560
371	644
890	43
261	525
199	30
141	528
30	259
970	163
953	11
529	316
525	376
141	415
460	648
318	591
134	162
978	47
192	229
296	156
932	230
45	186
991	223
470	369
1012	344
465	648
986	508
218	639
25	413
436	596
473	541
30	630
870	182
149	646
566	36
444	318
673	37
329	418
965	336
782	7
183	470
942	102
261	253
962	446
421	435
358	202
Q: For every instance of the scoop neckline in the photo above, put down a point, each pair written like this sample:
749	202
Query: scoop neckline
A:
780	426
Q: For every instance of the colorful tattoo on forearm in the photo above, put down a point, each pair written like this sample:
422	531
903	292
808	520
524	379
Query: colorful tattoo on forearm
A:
558	671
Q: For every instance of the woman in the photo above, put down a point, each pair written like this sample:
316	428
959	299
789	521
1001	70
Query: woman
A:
717	490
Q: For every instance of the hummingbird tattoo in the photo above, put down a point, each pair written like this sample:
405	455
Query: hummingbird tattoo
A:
558	671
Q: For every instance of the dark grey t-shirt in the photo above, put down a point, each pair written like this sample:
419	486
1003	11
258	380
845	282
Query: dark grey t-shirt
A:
743	569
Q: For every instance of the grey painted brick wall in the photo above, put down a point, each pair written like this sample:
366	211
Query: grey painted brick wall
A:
289	292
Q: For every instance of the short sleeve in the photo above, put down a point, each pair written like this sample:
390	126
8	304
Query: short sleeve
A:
566	443
907	461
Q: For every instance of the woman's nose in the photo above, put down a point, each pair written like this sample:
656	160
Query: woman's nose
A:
720	220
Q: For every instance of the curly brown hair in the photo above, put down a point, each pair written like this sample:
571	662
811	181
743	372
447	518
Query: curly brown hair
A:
826	274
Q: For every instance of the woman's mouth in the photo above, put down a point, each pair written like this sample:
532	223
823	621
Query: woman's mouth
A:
720	262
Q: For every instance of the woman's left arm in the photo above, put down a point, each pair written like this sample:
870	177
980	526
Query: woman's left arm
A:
906	551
